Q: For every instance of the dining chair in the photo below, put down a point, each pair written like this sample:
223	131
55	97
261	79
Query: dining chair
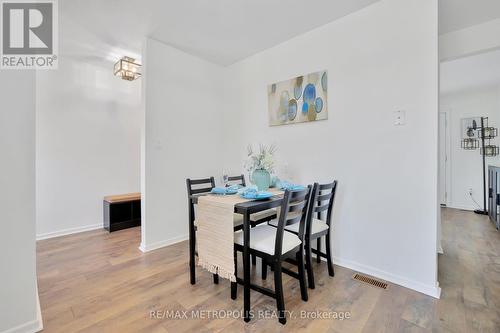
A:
256	218
322	199
201	187
236	180
274	245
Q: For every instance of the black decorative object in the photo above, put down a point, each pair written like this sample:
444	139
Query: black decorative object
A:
476	129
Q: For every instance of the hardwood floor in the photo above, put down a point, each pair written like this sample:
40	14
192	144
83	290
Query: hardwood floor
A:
469	274
100	282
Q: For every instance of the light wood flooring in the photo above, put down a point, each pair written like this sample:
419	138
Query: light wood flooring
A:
101	282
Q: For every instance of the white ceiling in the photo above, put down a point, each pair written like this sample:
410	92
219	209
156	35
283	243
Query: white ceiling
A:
473	72
459	14
221	31
225	31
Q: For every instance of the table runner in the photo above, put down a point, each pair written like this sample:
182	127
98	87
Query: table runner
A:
215	233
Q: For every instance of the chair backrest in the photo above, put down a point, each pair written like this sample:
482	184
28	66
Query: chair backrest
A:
322	199
236	180
293	210
200	186
197	186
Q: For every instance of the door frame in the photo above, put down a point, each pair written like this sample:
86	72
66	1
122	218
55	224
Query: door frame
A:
447	167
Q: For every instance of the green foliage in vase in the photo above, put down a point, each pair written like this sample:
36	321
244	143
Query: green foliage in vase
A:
261	159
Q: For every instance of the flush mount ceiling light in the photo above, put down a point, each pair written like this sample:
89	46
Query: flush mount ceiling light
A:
127	69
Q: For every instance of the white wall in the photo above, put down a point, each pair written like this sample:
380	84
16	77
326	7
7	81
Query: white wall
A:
381	59
182	137
88	135
18	296
466	165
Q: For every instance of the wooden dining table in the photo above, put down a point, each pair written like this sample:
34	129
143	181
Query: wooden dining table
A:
246	209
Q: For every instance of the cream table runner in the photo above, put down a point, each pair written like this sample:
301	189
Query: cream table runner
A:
215	234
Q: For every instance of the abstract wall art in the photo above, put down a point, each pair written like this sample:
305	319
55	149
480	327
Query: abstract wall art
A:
298	100
469	126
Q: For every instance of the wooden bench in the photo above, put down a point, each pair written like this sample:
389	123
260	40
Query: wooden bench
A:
122	211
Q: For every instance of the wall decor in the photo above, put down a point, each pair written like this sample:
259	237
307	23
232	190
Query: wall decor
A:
301	99
470	126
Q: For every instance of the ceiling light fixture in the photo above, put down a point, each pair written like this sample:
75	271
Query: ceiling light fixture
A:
127	69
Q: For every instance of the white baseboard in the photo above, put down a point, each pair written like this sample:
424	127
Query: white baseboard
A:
38	312
32	326
69	231
156	245
430	290
469	208
29	327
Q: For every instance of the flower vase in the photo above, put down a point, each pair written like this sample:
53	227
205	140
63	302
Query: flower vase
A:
262	179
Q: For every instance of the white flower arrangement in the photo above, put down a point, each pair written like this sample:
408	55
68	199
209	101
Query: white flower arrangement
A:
261	160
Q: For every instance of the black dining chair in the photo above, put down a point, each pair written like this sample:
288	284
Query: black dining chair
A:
236	180
274	245
201	187
322	200
256	218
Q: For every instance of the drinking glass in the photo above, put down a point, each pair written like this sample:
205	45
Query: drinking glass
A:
225	178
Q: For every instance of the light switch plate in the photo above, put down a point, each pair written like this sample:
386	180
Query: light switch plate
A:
399	118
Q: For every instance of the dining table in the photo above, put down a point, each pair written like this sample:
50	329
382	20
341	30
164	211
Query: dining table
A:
246	209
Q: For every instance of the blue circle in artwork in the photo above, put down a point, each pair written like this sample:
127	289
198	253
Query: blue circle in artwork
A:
309	93
297	91
318	104
292	109
324	81
305	108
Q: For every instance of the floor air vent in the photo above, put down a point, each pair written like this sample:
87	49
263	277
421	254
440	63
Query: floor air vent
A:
370	281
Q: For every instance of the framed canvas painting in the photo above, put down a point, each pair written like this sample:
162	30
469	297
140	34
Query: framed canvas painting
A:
301	99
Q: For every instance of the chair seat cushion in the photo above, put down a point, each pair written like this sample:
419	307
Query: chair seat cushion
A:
317	226
262	238
263	215
238	220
